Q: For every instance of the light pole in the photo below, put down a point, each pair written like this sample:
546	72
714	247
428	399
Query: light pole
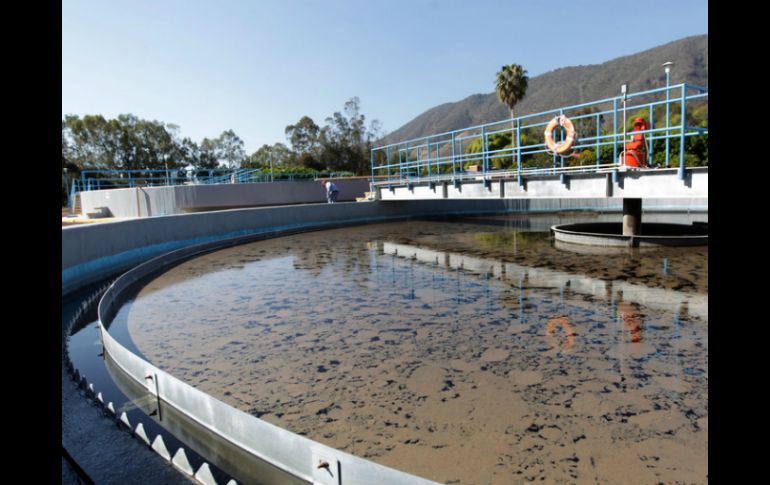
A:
667	68
624	92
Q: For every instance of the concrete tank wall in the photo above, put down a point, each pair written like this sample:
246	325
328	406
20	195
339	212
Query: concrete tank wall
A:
645	184
159	201
92	252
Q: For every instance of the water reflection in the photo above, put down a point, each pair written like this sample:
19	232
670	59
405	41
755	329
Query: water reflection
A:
414	343
561	322
538	278
632	319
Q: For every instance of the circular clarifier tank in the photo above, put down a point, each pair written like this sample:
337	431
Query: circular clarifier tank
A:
465	351
610	234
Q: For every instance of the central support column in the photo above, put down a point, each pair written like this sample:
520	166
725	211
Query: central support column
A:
632	217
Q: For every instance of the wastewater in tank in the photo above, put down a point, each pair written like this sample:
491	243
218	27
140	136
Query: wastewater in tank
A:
462	351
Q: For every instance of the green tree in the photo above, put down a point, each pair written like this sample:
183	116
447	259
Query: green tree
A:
700	116
303	136
498	141
190	152
585	125
511	85
208	154
158	149
126	143
278	154
230	149
89	141
345	140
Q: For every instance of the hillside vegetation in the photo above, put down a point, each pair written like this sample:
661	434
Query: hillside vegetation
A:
569	86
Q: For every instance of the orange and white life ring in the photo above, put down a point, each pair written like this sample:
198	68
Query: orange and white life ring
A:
562	322
564	147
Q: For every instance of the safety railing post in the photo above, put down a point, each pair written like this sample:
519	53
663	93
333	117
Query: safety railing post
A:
462	157
598	138
418	163
406	162
554	159
561	138
388	161
650	139
681	134
615	131
518	150
484	151
454	161
371	163
438	160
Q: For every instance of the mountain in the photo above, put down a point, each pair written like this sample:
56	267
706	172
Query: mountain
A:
569	86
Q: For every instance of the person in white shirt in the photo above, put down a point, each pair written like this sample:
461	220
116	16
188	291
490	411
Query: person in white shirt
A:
331	191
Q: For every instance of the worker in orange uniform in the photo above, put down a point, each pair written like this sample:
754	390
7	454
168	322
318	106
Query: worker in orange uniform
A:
632	320
635	154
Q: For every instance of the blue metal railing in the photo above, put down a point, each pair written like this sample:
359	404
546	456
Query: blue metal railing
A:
113	179
450	155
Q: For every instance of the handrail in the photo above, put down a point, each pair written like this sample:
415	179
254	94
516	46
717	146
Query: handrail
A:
92	179
431	157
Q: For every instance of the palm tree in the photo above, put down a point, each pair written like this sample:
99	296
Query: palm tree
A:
512	83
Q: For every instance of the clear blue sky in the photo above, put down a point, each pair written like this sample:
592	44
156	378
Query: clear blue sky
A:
255	66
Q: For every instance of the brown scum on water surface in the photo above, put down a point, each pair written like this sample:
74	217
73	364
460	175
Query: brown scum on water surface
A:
464	352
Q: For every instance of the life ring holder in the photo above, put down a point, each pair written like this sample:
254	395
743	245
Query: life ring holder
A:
622	166
564	148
